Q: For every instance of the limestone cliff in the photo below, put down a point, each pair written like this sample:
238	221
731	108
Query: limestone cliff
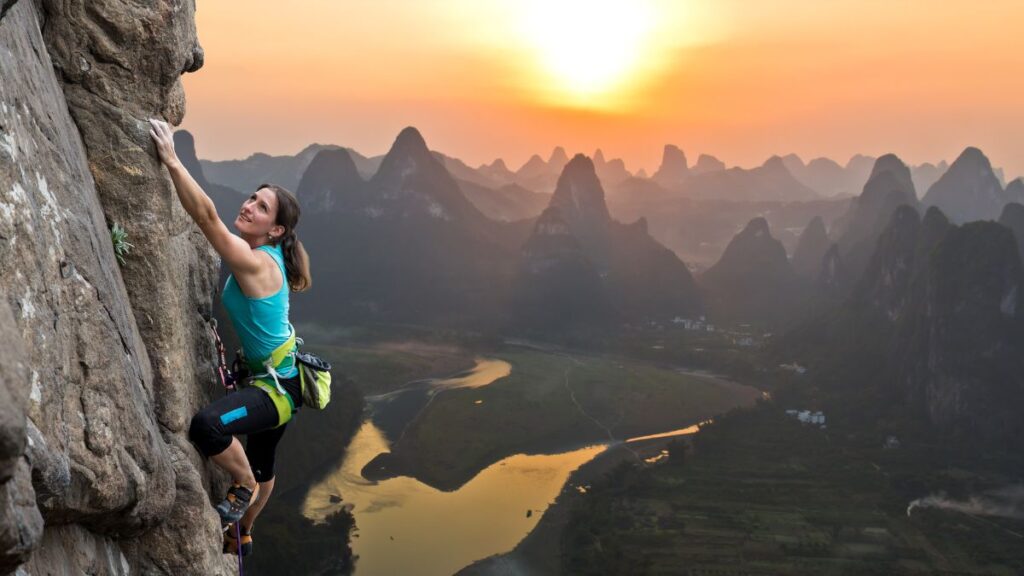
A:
102	365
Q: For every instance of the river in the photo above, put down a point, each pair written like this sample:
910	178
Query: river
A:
407	527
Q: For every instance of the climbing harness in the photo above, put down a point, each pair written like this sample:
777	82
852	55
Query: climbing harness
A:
314	374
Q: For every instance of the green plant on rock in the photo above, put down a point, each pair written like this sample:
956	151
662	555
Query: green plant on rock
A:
119	237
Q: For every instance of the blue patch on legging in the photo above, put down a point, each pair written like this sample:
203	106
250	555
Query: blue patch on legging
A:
236	414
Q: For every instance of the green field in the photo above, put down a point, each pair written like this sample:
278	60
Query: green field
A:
386	366
533	410
762	494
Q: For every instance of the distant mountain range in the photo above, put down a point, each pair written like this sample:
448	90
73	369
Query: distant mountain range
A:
408	245
896	313
480	229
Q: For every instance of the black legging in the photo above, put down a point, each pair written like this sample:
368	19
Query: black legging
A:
247	411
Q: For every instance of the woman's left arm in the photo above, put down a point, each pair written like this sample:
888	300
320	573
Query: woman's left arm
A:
236	252
193	199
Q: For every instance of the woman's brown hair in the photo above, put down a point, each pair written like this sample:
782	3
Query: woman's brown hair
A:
296	260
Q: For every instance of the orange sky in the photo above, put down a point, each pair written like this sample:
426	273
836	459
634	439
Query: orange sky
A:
740	79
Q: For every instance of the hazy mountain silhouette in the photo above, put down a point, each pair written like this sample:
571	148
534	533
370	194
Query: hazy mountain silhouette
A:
641	277
856	232
331	177
969	190
498	172
1015	191
674	169
558	285
540	175
821	174
927	174
558	159
506	203
245	175
227	200
811	249
579	197
770	181
753	281
707	163
463	172
406	246
610	172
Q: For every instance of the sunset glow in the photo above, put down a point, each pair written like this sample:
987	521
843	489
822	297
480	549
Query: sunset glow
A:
511	78
589	48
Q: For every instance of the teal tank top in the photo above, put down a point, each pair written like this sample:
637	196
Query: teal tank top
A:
261	323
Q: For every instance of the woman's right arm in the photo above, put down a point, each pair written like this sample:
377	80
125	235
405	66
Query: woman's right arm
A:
237	253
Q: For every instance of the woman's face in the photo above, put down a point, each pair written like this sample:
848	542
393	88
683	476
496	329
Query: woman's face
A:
258	215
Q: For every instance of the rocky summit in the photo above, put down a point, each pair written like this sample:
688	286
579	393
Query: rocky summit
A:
969	190
673	170
888	187
330	177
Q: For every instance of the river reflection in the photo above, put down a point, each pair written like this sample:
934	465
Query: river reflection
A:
407	527
486	371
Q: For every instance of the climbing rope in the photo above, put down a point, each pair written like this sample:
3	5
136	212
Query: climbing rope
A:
238	540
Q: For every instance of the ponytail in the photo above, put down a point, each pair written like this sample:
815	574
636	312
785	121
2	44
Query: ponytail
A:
296	263
296	260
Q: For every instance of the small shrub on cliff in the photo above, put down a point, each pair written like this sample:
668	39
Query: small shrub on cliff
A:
119	237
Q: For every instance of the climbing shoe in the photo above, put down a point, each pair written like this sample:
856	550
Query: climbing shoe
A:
234	505
232	545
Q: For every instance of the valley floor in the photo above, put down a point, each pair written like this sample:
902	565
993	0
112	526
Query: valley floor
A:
763	494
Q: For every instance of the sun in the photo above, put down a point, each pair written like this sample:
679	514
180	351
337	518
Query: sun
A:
588	49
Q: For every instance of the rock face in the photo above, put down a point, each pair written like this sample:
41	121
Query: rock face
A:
116	359
886	282
962	362
1013	218
969	190
933	330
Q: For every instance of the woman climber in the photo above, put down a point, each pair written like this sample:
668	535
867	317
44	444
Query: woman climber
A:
266	261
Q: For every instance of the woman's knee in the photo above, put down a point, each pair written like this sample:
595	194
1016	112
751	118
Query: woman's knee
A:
205	432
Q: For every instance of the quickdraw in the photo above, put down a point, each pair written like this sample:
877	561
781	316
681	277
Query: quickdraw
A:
228	376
